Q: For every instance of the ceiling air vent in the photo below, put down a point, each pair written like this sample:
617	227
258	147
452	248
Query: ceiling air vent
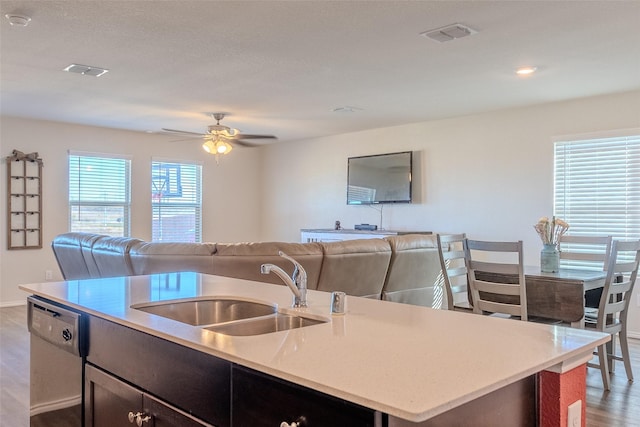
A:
86	70
448	33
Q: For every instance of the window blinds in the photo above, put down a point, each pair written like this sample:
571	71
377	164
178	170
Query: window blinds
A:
176	201
99	194
597	186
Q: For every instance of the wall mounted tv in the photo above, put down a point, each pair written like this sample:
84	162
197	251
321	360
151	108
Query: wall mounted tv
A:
381	178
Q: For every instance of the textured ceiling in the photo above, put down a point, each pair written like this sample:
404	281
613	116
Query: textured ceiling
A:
281	67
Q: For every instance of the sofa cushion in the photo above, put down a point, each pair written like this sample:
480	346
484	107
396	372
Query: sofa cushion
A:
167	257
243	260
111	255
356	267
414	271
73	254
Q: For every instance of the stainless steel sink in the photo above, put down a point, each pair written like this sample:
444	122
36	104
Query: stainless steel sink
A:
208	311
265	325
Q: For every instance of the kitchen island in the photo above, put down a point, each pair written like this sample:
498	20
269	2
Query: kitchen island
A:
408	365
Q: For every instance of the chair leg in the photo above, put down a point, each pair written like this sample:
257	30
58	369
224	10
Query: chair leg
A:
604	366
611	348
624	347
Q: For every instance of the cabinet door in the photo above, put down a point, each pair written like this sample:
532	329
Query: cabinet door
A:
262	400
113	403
108	400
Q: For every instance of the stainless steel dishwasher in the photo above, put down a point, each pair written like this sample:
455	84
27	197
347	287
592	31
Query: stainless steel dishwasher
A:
57	364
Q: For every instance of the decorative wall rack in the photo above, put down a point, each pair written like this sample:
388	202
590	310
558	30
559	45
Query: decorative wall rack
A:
24	201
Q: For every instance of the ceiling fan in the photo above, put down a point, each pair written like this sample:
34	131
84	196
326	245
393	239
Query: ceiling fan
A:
219	139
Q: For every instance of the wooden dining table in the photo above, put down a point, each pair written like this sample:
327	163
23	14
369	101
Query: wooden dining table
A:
559	295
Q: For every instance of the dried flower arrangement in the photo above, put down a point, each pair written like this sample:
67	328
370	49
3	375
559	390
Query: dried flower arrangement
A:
550	231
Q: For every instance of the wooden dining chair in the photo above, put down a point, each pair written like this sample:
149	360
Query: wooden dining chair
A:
590	252
454	271
493	297
611	315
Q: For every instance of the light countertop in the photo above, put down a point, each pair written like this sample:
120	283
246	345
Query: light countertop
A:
407	361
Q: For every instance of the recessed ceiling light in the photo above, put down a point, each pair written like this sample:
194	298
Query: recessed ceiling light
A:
18	20
526	71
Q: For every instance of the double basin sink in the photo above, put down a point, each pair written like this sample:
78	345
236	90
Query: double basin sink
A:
229	316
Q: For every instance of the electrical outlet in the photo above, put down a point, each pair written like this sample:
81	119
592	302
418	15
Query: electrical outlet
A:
48	275
574	417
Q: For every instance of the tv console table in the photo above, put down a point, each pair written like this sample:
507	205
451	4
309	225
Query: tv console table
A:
331	235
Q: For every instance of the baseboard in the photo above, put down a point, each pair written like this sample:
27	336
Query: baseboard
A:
635	335
13	303
55	405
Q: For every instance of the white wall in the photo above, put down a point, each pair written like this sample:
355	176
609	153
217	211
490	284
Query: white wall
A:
488	175
231	194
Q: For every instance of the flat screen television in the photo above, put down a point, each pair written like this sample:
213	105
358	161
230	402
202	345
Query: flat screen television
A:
381	178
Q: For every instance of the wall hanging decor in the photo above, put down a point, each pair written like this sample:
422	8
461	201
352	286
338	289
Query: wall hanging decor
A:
24	201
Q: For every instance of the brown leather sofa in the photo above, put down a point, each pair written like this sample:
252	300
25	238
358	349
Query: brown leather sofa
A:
401	268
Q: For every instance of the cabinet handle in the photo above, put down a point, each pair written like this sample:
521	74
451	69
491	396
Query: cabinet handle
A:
132	417
139	418
300	422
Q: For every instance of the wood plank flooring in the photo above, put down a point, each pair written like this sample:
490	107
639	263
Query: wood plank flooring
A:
619	407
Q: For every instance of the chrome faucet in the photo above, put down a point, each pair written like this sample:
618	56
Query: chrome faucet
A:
297	282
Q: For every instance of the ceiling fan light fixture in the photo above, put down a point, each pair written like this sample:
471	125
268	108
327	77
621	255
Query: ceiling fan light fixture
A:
208	146
223	147
217	146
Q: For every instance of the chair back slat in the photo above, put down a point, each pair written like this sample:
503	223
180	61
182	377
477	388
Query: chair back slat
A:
497	288
497	307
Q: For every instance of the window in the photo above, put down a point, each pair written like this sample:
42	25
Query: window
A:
176	201
597	185
99	194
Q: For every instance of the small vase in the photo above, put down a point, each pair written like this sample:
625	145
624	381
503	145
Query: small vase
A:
549	258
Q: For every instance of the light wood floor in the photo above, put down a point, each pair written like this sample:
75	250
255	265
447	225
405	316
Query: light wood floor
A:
618	408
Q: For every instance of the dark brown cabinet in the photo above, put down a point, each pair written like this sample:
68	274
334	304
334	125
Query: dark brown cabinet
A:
110	402
262	400
196	383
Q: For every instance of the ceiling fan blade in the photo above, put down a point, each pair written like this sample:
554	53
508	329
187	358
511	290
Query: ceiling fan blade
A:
243	143
188	139
182	131
248	136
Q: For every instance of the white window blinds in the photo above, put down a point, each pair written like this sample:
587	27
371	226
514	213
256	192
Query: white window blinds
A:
99	194
597	186
176	201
